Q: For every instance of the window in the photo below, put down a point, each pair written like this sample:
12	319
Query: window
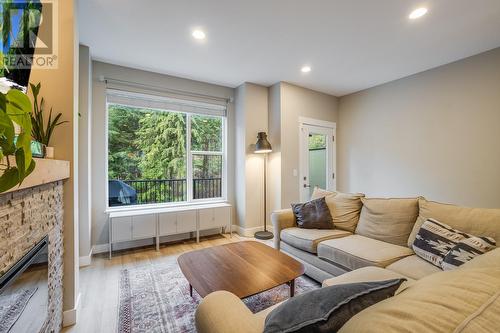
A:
161	156
206	156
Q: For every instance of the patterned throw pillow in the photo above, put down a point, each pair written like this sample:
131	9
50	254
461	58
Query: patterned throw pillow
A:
466	250
435	239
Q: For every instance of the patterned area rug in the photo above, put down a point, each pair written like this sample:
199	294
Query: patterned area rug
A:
155	298
12	306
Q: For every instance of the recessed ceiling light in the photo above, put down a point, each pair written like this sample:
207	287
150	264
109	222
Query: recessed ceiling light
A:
198	34
417	13
305	69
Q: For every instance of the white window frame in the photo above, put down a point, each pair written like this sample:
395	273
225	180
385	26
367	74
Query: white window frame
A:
189	166
191	152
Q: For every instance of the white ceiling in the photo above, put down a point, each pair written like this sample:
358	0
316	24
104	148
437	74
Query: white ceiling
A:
350	44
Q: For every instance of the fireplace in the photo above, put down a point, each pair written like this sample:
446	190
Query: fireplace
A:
31	259
24	292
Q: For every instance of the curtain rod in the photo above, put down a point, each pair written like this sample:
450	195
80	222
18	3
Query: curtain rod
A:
163	89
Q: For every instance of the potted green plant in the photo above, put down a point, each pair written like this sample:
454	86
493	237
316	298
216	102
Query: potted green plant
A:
41	130
16	161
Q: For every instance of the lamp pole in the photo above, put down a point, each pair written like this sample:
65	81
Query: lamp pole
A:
265	192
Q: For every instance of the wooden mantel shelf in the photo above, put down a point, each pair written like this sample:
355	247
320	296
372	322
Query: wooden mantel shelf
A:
46	171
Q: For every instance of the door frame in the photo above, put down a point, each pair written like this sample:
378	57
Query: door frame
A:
330	128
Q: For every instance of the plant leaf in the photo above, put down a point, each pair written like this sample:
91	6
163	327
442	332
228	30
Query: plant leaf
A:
18	108
3	102
7	126
19	102
20	163
23	169
24	143
30	168
9	179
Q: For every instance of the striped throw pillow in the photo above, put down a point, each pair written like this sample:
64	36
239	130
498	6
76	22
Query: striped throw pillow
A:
435	239
466	250
448	248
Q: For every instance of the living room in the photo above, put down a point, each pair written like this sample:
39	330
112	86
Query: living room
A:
221	166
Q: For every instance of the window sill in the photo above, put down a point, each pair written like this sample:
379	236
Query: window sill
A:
164	208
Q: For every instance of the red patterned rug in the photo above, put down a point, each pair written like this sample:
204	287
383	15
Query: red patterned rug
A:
155	298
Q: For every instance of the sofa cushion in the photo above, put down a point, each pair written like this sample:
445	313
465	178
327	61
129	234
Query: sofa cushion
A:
476	221
313	214
484	319
345	209
321	193
225	312
445	302
365	274
316	268
308	239
490	259
388	220
328	309
413	267
328	195
357	251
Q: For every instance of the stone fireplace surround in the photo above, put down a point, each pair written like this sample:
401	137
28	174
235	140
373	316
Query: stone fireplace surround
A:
26	217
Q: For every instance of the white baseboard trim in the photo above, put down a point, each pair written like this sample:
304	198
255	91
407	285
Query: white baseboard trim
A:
86	260
247	232
71	316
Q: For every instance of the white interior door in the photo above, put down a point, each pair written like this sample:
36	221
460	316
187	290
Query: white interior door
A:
317	159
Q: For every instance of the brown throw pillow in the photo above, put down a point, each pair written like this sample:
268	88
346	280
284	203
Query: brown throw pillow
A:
313	214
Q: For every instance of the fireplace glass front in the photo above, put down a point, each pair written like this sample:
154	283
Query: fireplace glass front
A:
24	293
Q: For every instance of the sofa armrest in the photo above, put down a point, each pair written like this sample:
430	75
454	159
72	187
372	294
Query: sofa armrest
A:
224	312
282	219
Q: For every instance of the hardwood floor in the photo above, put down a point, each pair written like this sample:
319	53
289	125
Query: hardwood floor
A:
99	282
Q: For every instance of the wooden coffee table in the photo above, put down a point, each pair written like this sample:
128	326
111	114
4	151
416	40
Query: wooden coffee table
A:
244	268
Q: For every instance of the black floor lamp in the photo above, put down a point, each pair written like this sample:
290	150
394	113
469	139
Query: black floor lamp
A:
263	147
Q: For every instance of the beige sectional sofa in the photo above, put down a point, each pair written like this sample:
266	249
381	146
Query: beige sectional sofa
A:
380	234
372	241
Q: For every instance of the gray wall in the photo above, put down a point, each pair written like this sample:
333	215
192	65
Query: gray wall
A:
99	137
274	158
287	103
251	117
84	153
299	102
436	134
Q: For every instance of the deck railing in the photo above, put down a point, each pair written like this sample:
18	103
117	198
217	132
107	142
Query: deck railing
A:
174	190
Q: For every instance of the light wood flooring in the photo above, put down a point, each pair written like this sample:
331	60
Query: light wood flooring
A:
99	282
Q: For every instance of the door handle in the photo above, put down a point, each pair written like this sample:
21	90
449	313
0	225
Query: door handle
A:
306	185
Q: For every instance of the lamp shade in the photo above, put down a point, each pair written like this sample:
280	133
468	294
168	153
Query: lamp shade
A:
262	145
